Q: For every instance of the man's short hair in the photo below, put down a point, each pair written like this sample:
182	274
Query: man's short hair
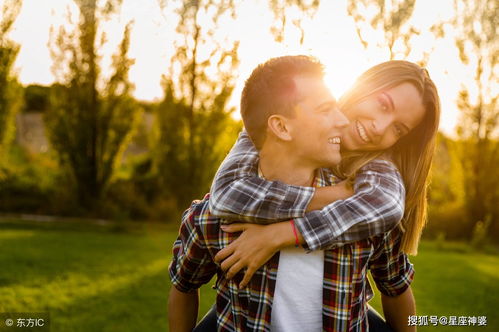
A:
271	89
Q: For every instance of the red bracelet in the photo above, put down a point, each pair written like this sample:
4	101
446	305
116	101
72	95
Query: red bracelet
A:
297	242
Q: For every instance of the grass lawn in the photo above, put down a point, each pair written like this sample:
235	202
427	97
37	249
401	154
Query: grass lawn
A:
96	278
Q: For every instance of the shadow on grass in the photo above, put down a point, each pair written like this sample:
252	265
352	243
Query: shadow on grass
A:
140	304
33	259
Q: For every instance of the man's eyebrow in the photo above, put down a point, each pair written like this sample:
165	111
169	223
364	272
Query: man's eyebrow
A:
390	99
329	103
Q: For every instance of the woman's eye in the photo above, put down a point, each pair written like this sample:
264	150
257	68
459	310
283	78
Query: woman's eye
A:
382	104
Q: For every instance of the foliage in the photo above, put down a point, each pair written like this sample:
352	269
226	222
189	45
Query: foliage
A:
91	118
386	24
194	124
282	12
479	235
10	90
477	39
30	182
446	192
36	98
390	17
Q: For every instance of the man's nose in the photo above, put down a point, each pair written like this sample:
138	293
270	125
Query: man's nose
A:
380	124
340	120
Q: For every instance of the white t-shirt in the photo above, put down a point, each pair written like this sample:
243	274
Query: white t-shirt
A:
297	302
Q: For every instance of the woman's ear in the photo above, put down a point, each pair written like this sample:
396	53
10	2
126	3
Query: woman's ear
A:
280	127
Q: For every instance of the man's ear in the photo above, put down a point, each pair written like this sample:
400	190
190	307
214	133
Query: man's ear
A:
279	126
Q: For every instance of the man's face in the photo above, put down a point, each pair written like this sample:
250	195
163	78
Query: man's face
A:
317	125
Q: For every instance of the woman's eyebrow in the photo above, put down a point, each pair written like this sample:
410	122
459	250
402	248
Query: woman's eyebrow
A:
389	99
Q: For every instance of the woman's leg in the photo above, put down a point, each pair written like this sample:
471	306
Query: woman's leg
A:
376	322
209	321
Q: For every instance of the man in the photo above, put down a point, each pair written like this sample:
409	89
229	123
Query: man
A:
294	122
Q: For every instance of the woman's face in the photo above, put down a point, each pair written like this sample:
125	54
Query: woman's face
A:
381	119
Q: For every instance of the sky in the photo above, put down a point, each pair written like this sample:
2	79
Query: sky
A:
330	36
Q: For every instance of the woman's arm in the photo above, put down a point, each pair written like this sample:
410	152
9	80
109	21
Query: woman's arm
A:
238	193
376	207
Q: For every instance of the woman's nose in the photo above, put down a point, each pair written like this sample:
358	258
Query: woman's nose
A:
380	124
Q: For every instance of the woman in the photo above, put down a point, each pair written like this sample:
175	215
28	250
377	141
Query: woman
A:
394	111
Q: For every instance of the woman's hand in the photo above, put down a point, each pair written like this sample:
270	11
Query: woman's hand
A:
253	248
326	195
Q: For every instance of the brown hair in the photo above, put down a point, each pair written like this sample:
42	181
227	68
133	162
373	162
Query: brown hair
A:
413	153
271	89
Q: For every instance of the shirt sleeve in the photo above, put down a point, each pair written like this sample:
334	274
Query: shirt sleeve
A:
192	265
391	269
376	207
238	193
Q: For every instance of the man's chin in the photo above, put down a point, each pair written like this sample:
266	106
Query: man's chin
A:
334	161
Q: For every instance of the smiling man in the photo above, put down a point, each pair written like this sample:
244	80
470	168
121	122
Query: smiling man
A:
295	123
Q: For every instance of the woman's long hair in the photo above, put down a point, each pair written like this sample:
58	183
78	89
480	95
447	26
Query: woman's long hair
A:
413	153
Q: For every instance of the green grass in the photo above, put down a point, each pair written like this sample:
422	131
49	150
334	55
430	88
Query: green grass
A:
105	278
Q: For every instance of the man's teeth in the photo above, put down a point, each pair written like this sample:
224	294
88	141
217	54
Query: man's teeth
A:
334	140
362	132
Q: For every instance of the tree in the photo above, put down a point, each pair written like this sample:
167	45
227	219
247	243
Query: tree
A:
91	117
446	192
282	12
477	39
10	90
195	127
385	24
36	98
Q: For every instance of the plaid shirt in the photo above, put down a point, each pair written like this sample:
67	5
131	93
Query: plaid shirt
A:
377	206
346	289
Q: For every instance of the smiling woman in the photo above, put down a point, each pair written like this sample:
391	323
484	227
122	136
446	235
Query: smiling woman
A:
382	118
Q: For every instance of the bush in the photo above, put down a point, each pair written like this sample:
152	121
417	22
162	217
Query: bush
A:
479	234
27	183
448	221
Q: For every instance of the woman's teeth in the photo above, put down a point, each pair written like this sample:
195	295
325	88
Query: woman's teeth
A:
362	132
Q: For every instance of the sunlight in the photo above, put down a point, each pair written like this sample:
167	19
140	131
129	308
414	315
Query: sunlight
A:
70	288
330	36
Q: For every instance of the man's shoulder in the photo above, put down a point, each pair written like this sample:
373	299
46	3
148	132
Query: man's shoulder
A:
199	211
199	216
